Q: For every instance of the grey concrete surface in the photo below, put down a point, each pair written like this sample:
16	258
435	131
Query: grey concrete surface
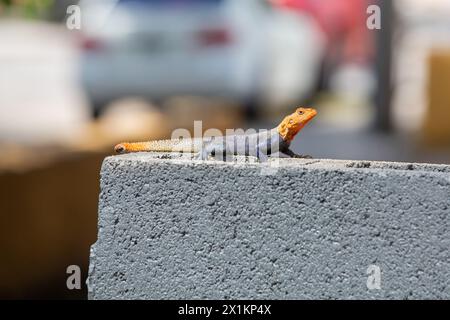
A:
174	228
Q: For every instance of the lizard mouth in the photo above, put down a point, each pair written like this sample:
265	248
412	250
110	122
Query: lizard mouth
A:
120	149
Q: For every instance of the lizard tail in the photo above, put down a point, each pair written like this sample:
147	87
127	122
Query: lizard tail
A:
127	147
157	146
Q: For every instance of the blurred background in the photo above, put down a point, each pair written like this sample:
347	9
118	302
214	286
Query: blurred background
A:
77	77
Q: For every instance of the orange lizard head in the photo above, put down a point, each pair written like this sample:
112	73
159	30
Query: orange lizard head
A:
293	123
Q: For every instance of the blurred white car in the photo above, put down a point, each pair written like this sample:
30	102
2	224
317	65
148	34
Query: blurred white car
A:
239	49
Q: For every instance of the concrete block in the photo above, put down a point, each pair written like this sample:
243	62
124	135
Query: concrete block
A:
317	229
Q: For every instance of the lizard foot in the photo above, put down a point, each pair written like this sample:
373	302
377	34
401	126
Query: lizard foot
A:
201	156
262	158
300	156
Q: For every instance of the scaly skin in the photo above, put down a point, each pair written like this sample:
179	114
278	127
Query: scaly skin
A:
259	145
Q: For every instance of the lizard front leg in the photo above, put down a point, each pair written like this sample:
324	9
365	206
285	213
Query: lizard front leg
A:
292	154
260	154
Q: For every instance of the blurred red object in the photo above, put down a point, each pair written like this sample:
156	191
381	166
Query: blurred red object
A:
342	21
214	37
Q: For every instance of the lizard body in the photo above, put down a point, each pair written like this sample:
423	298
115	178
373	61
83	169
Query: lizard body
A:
259	145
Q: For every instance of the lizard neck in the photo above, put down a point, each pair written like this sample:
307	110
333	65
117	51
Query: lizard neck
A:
288	130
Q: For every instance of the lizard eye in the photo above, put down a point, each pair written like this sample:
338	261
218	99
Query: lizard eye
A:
300	112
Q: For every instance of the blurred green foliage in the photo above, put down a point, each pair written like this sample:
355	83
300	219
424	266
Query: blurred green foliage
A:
27	8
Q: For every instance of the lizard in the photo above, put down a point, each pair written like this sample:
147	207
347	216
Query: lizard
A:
259	145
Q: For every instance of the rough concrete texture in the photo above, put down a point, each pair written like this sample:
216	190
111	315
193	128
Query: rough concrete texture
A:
175	228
